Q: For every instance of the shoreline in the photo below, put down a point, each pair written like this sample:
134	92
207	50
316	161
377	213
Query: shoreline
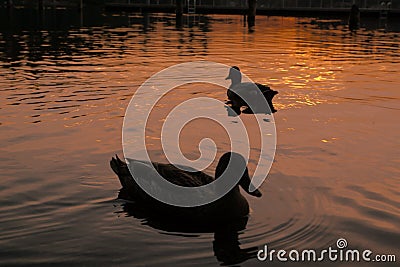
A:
289	11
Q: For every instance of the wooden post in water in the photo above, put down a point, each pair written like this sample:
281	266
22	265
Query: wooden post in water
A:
81	11
179	12
354	19
251	14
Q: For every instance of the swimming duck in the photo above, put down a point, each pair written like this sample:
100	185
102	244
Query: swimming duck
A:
249	91
231	205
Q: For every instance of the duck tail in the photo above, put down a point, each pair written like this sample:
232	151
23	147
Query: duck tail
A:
121	170
269	95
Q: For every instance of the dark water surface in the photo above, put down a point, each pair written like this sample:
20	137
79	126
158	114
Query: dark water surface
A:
64	91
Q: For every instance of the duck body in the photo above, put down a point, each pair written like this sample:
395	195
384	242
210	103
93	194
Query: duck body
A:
231	205
255	92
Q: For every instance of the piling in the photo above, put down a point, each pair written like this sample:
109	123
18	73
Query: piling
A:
179	13
354	19
251	13
10	4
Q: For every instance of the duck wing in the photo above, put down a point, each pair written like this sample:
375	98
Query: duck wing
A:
263	87
266	90
178	176
242	91
132	191
173	174
245	89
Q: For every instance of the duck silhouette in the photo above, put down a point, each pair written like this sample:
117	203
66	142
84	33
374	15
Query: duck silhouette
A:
231	205
253	92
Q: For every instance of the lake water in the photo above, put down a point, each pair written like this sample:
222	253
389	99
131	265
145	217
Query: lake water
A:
64	90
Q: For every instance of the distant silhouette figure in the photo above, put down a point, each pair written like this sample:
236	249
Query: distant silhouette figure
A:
238	92
354	19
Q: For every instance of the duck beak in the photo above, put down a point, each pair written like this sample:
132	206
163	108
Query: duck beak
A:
228	77
251	190
256	193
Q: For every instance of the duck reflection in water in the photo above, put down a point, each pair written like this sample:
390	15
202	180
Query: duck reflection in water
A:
225	217
226	244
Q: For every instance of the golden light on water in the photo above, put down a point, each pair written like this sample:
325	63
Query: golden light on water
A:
335	171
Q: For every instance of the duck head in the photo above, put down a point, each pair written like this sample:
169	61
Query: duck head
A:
234	75
232	164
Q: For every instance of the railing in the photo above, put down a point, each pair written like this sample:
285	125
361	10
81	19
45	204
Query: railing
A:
261	4
363	4
213	3
191	6
42	3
